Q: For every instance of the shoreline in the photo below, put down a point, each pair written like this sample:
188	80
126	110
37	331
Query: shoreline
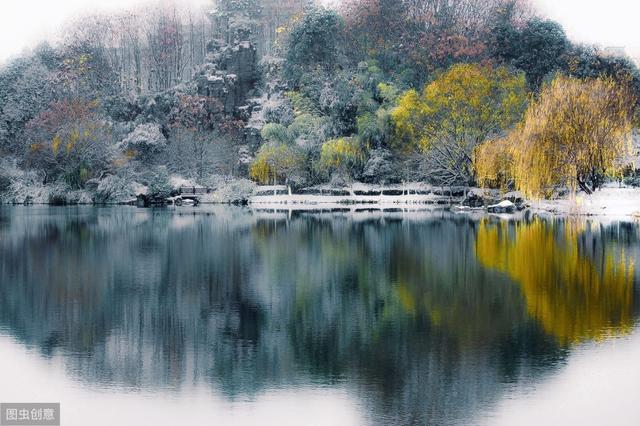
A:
551	208
609	202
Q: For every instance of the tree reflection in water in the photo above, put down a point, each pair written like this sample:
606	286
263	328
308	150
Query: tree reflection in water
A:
577	286
427	317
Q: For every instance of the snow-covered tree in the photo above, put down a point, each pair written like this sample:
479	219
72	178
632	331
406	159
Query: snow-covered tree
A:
144	142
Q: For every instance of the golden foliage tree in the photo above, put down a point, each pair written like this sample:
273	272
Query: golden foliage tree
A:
493	162
277	163
68	140
576	133
342	155
455	113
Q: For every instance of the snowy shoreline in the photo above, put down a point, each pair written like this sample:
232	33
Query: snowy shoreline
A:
613	202
609	202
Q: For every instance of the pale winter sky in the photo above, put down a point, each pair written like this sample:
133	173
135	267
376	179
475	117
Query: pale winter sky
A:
609	23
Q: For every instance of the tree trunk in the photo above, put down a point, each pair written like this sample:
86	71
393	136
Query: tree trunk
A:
584	187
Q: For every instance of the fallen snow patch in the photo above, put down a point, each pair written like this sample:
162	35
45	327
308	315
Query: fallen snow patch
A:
610	201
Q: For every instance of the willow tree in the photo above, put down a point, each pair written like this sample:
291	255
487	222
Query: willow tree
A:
278	163
344	156
494	163
455	113
576	134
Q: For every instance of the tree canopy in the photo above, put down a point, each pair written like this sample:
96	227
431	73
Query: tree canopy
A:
455	113
313	42
277	163
575	134
376	91
538	49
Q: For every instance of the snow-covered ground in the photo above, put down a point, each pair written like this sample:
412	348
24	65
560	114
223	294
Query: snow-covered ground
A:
610	202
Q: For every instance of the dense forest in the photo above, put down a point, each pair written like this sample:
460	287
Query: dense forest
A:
470	92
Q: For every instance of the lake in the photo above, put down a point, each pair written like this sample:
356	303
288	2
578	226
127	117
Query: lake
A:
224	315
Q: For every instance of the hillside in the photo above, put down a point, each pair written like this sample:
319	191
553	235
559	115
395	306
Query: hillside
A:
375	91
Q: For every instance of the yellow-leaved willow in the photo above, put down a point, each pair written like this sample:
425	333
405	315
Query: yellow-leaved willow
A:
574	135
276	163
341	152
573	296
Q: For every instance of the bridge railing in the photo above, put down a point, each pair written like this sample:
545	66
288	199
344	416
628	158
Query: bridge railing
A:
195	190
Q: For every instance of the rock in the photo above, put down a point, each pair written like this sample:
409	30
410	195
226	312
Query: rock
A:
515	197
245	159
229	76
505	206
475	198
252	138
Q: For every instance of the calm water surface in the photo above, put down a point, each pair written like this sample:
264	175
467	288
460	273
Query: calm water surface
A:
227	316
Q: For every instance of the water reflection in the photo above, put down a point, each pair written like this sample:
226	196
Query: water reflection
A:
577	286
425	317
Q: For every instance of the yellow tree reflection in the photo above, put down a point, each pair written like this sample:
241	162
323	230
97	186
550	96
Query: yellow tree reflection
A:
575	297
